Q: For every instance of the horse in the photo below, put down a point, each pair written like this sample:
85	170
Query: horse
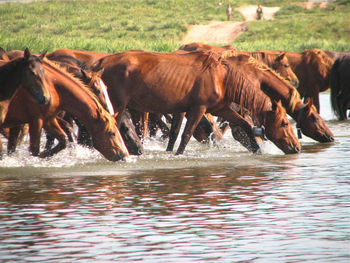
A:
26	72
308	120
195	83
313	68
82	59
71	95
336	54
23	73
280	63
340	86
88	57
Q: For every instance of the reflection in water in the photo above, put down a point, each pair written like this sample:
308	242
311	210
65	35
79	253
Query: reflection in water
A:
199	207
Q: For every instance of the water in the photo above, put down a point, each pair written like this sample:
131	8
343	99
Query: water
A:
213	204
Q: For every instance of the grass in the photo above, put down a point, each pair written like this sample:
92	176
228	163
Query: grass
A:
159	25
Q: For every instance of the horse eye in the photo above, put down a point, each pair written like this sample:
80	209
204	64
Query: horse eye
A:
286	66
111	134
284	124
97	92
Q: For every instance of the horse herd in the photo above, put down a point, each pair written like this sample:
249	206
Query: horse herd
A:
115	99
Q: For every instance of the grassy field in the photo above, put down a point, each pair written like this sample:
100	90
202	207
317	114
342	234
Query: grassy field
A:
159	25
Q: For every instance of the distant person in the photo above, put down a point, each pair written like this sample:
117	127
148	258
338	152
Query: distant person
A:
259	13
229	12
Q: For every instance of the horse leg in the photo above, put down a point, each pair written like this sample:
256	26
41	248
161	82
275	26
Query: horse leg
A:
35	128
54	128
203	130
193	118
67	128
236	120
13	139
174	130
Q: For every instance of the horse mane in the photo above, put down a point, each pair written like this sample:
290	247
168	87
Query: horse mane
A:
240	89
294	94
320	60
55	66
268	58
260	66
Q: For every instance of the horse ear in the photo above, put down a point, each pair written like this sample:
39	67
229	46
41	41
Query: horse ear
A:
280	57
2	52
100	72
84	73
27	53
276	105
43	54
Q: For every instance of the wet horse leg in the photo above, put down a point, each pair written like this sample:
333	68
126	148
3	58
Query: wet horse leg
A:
67	128
35	128
236	119
194	116
13	139
54	128
174	130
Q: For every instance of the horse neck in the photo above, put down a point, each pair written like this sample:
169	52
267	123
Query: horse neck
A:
74	97
246	94
267	59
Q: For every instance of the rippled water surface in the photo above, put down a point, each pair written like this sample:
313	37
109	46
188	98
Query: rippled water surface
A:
213	204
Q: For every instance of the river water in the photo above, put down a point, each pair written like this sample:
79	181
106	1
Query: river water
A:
216	203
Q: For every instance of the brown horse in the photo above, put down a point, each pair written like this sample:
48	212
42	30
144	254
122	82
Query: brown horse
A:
308	120
195	83
313	68
94	82
71	95
88	57
278	63
340	86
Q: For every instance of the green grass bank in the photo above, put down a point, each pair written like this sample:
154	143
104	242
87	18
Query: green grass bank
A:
159	25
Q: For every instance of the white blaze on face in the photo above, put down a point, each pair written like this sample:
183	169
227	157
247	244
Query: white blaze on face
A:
108	101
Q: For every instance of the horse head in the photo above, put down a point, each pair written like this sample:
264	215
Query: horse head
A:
281	65
33	77
109	142
312	125
279	130
130	137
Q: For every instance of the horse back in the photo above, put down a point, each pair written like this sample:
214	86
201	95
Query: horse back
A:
166	79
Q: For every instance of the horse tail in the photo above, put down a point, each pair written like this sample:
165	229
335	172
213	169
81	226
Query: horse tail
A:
335	87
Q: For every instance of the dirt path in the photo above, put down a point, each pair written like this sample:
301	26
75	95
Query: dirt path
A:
228	31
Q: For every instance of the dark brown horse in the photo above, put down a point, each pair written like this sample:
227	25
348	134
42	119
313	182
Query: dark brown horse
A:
308	120
26	72
340	86
71	95
195	83
336	54
23	73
